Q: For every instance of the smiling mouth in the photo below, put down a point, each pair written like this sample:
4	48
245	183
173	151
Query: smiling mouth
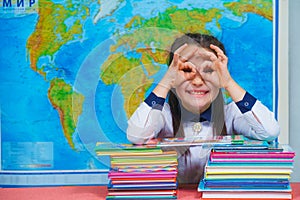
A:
195	92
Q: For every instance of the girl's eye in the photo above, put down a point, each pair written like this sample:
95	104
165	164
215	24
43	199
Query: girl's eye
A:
208	70
187	70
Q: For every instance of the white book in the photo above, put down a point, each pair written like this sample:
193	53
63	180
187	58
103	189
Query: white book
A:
247	195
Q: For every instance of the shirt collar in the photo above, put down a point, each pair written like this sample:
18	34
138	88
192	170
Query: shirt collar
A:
206	115
188	116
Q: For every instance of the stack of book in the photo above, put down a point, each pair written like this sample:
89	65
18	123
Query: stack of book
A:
140	172
251	170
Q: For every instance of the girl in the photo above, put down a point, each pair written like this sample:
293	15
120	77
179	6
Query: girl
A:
195	108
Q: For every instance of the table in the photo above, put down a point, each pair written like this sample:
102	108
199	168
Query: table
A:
93	193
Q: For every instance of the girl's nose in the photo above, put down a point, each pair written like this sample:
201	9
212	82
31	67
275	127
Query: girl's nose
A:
197	80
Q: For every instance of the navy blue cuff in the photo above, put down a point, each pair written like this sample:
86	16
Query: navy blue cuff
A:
247	103
154	101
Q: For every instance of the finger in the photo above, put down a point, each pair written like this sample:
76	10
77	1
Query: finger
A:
222	56
216	48
175	60
188	70
219	52
207	55
193	67
191	74
188	54
180	49
187	67
176	56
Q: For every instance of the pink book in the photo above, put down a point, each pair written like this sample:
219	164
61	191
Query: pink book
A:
288	155
145	175
254	160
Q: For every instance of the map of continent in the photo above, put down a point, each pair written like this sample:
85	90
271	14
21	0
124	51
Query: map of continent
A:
73	72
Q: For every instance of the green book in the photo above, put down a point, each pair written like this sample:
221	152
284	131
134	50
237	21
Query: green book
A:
125	149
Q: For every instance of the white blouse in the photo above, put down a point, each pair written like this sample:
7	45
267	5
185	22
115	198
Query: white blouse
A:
147	123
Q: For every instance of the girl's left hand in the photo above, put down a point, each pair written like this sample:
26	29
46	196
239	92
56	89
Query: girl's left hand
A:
217	73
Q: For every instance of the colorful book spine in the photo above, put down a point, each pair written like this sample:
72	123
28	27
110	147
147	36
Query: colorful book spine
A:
140	172
253	170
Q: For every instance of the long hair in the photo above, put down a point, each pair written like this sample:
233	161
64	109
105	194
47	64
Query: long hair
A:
217	107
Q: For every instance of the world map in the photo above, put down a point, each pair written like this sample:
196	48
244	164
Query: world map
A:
73	72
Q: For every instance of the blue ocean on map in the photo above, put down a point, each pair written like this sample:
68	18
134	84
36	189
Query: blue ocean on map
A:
25	108
237	59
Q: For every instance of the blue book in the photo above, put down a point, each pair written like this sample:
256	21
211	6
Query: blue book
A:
202	188
247	183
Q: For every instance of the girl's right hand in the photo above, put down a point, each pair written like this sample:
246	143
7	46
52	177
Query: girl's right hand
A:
180	69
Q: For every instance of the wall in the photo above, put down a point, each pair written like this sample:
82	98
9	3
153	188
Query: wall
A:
294	82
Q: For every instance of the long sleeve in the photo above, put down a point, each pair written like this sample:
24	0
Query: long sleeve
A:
257	123
146	123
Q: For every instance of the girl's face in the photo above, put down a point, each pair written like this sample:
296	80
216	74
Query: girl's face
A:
195	93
